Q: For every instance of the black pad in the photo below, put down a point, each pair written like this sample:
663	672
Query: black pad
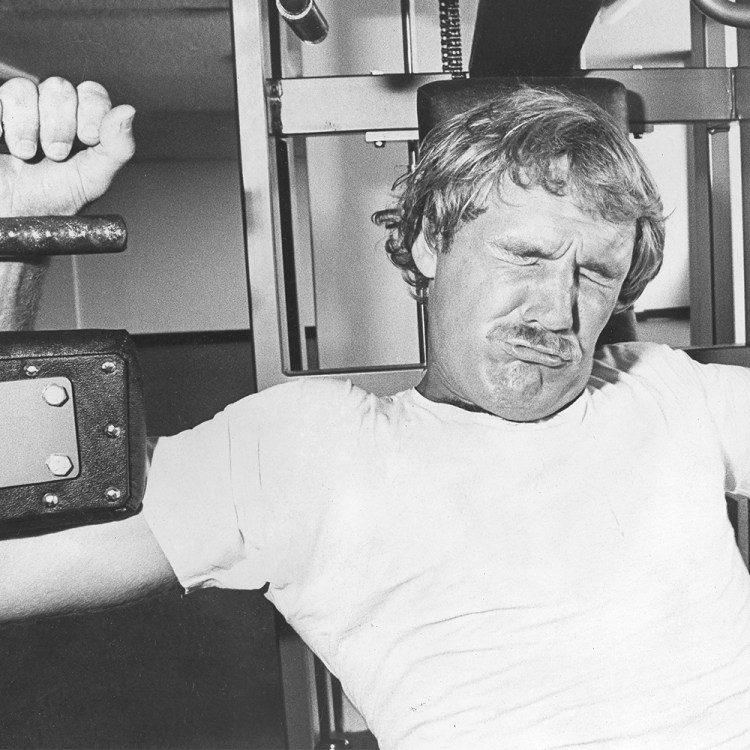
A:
72	429
440	100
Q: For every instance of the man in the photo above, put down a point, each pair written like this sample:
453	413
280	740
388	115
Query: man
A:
528	550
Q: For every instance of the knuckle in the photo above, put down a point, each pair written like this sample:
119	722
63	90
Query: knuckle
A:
93	89
18	90
55	83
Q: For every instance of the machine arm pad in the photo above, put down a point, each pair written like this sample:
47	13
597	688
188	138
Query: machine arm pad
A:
72	429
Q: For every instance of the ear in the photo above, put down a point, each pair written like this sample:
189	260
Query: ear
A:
424	256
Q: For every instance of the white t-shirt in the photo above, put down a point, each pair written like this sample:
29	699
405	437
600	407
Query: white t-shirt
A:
475	582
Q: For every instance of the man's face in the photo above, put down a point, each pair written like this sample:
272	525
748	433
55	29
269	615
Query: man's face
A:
517	303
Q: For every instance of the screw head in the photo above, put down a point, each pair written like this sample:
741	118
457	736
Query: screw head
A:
59	464
109	367
55	395
112	430
31	371
113	494
50	500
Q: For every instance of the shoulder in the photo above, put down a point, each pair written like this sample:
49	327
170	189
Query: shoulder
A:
655	365
636	355
311	400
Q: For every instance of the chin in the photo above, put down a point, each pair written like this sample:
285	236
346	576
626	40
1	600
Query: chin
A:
527	393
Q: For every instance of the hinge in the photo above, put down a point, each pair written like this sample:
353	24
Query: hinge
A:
273	98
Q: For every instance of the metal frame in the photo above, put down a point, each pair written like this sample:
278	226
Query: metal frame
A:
711	272
383	105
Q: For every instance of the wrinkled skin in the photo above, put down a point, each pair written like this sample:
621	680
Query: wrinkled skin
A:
46	119
518	301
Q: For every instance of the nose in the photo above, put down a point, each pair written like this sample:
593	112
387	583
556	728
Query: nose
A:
552	300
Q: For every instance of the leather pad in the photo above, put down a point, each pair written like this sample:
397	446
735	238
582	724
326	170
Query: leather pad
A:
96	375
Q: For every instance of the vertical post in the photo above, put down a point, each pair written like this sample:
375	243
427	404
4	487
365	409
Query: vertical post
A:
711	285
252	56
408	31
743	59
258	179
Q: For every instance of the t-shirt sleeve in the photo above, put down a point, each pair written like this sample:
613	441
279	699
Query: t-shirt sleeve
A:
717	397
726	390
193	502
230	501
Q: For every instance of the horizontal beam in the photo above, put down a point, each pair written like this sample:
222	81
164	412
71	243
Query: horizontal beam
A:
347	104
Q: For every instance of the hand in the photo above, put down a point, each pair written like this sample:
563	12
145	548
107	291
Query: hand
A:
49	117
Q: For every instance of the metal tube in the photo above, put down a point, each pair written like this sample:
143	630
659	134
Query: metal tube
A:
731	14
305	19
61	235
407	30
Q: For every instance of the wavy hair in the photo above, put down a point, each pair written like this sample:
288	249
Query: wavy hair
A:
536	137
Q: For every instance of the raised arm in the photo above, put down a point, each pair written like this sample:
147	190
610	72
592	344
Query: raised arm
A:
106	564
43	121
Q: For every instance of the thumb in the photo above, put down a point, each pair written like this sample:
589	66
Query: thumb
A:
116	141
98	165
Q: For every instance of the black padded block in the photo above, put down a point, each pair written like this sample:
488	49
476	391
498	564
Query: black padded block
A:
440	100
530	37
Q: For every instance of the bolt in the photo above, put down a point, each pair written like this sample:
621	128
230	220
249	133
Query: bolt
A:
31	371
113	494
50	500
112	430
55	395
109	367
59	464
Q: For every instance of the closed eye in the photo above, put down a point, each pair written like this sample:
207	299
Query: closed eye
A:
517	257
601	276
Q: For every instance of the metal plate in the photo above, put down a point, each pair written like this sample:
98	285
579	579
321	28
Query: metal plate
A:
37	432
341	104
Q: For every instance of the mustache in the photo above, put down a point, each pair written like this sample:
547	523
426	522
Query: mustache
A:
537	338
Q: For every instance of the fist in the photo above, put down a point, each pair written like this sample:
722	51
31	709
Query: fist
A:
43	121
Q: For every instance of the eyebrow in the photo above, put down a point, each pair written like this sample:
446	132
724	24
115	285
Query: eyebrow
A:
527	249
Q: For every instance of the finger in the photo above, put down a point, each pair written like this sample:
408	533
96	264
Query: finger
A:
116	142
98	165
58	104
93	105
20	116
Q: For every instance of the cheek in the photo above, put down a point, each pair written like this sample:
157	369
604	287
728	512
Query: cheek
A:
596	302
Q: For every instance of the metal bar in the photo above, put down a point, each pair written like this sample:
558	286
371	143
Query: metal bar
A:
722	287
699	216
386	102
725	12
27	236
711	287
305	19
258	177
743	106
291	303
407	32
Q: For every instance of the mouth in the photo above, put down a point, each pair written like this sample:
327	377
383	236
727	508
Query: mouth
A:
537	355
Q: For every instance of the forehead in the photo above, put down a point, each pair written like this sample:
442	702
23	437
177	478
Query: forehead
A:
536	215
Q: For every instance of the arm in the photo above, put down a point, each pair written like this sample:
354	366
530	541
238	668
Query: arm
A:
85	568
105	564
20	289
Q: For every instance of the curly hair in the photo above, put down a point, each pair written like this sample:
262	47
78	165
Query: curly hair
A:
526	136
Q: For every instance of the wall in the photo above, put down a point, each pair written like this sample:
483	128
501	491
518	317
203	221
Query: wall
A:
365	315
184	266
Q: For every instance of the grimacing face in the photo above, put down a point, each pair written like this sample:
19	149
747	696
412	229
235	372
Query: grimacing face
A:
518	301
